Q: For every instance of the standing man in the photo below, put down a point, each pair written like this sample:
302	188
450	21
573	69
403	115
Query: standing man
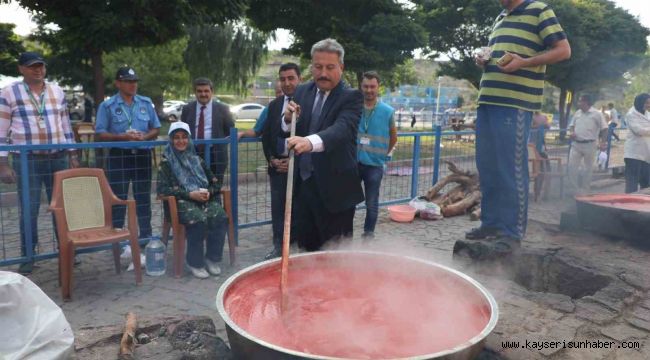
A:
127	116
614	120
261	119
525	38
377	137
328	186
289	78
33	112
586	128
209	119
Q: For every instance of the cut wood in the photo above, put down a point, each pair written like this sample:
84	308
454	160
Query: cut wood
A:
459	199
127	344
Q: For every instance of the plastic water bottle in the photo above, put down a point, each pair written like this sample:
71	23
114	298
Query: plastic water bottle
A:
156	257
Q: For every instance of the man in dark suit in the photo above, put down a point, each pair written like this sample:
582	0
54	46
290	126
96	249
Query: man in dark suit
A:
209	119
328	186
288	78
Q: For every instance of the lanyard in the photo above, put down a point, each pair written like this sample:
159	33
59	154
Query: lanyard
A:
365	117
128	114
40	107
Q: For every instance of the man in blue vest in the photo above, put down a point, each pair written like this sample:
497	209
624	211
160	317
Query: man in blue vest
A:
376	138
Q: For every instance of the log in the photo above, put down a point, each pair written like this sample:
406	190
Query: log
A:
127	344
475	214
461	206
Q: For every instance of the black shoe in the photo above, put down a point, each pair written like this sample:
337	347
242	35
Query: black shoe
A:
273	254
26	268
487	250
482	233
368	235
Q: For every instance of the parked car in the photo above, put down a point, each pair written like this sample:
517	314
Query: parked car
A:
246	111
172	109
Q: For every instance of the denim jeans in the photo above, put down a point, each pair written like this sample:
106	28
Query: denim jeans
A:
502	163
371	177
40	170
212	234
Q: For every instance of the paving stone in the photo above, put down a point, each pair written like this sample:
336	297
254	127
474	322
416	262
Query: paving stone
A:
622	332
636	280
594	312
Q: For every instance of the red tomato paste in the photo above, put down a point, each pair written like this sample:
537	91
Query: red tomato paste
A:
363	310
619	201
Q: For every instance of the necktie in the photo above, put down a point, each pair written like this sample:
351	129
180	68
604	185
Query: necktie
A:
201	128
306	166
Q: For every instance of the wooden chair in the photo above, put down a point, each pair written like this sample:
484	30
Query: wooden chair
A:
82	202
541	172
179	230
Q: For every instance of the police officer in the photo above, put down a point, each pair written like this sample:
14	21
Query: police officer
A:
129	117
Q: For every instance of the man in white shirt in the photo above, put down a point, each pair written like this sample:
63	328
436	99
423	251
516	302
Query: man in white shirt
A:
586	128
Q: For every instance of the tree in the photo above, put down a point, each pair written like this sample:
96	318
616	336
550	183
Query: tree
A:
10	49
227	54
89	28
456	28
160	68
376	34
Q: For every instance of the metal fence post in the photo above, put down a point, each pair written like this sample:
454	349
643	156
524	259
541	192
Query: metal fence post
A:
415	166
234	181
26	205
436	154
610	133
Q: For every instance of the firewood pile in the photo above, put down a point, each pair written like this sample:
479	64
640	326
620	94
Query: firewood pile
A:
463	198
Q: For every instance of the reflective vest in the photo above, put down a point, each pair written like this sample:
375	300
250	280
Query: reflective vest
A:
374	135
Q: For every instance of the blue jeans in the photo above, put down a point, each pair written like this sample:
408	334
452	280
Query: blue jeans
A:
205	240
371	177
40	170
502	162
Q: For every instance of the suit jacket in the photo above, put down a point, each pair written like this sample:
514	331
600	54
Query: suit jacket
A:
272	131
335	170
221	123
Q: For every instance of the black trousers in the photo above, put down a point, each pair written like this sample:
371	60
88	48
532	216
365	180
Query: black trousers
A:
278	183
126	166
637	173
214	234
314	225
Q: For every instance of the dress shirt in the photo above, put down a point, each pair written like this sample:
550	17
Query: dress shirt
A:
19	117
315	140
207	118
587	125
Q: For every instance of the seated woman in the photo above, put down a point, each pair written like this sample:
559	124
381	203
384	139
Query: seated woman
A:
637	145
184	175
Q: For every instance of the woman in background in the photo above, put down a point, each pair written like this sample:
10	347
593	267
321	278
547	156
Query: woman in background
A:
184	175
637	145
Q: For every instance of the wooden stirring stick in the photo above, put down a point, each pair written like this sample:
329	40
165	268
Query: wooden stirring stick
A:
287	225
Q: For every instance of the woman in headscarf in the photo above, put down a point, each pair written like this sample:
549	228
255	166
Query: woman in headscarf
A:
185	175
637	145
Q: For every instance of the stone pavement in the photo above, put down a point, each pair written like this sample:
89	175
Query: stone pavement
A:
565	287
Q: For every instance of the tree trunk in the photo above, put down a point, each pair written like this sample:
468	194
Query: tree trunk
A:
359	79
98	75
563	119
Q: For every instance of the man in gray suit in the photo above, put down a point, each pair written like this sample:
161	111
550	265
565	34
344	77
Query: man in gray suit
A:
209	119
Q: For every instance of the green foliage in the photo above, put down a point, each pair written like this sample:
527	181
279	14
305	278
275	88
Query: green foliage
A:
403	74
376	34
639	78
10	48
456	28
160	68
606	41
229	55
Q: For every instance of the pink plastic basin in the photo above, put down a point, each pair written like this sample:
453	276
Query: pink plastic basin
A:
401	213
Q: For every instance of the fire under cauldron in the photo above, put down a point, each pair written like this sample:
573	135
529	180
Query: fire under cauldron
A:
623	216
356	305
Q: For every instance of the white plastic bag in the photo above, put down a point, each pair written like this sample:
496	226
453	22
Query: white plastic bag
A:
425	209
34	326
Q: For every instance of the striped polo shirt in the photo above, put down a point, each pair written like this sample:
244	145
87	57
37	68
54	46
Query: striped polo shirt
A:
527	30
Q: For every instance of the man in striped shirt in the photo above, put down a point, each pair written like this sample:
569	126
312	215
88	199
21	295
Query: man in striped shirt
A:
34	112
525	38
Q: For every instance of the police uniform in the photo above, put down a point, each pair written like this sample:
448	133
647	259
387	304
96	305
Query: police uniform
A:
126	165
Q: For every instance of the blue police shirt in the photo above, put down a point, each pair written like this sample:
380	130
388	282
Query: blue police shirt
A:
261	120
116	117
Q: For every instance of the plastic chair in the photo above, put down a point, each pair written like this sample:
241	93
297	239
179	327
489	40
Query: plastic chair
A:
179	230
82	202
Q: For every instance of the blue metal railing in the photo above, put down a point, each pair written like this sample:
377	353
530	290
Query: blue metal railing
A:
416	164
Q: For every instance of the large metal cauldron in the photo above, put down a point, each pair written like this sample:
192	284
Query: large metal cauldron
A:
623	216
246	346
